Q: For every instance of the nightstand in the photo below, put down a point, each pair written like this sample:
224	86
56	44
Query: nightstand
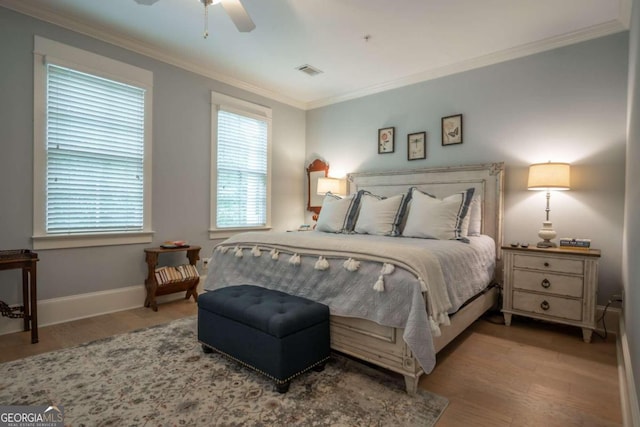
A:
557	285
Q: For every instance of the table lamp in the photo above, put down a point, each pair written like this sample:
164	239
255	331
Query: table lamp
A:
548	176
331	185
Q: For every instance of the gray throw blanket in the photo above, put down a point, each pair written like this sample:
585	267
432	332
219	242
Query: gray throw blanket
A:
377	278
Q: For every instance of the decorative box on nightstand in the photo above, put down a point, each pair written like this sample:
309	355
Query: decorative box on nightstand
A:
558	285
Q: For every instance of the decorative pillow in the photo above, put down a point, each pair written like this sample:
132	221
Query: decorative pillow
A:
475	217
379	215
433	218
336	214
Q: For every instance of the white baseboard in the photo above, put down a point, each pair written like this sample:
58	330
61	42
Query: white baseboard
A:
628	392
611	318
74	307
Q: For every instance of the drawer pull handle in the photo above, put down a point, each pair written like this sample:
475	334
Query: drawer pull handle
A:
544	305
546	284
546	264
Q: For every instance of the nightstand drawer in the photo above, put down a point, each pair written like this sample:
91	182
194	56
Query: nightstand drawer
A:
563	265
548	305
548	282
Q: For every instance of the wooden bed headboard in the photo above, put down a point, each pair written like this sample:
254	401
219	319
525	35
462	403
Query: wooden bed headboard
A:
487	179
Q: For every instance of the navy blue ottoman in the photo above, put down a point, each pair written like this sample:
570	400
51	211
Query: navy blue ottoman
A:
277	334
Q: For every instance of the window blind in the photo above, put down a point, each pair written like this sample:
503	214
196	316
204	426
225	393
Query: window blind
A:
95	153
242	171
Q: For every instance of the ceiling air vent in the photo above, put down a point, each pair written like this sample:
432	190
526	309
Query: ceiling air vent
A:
309	70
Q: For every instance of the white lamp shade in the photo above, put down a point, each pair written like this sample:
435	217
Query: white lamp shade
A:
549	176
331	185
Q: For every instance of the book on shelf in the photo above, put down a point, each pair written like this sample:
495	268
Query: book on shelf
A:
179	273
568	242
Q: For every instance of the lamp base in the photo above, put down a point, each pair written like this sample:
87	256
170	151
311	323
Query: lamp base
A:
546	233
546	244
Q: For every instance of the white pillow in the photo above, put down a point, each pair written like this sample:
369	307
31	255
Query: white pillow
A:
433	218
379	215
334	214
475	217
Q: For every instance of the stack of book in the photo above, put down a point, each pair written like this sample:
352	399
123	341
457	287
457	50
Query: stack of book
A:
570	243
166	275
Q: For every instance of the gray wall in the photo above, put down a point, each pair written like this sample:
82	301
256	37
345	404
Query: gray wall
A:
568	105
631	267
181	153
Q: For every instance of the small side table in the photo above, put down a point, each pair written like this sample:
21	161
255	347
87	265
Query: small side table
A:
154	289
25	260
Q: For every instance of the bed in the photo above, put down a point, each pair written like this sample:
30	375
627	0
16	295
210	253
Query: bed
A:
395	300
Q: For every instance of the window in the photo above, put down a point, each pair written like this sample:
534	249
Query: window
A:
240	176
92	149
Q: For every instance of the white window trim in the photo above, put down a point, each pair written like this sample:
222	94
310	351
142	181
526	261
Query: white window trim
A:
239	106
48	51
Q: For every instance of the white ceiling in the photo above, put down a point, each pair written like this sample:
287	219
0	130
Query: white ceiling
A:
409	40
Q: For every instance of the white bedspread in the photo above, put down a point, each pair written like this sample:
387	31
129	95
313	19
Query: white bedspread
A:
247	258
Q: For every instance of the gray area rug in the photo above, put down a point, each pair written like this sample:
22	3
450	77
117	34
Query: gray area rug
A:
160	376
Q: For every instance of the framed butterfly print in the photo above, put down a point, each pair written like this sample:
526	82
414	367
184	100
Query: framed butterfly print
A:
452	130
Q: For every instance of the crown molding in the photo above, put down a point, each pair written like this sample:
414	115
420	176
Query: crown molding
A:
625	13
42	13
156	52
593	32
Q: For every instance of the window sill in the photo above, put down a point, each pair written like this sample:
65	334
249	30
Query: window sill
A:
88	240
228	232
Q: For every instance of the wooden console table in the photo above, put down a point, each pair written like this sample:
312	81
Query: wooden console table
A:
25	260
154	289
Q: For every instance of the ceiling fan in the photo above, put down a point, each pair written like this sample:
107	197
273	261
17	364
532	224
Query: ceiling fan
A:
234	9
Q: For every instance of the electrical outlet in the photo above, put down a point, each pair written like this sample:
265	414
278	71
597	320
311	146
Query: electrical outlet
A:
616	298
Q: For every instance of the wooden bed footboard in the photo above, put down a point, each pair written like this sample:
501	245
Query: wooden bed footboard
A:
383	346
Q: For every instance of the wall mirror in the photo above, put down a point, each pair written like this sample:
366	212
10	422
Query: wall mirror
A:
317	169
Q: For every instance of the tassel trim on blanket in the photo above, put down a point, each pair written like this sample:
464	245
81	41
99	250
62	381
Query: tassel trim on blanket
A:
386	269
295	259
256	251
434	327
237	251
351	264
322	264
274	254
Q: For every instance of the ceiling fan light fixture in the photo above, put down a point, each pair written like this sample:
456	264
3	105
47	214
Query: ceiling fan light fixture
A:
236	12
206	4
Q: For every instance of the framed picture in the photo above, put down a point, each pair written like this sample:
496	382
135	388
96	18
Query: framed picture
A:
386	140
417	146
452	130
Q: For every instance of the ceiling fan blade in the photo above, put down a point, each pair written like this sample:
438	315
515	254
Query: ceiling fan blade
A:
146	2
238	15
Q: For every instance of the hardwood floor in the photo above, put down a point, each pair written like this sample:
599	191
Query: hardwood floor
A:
528	374
18	345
